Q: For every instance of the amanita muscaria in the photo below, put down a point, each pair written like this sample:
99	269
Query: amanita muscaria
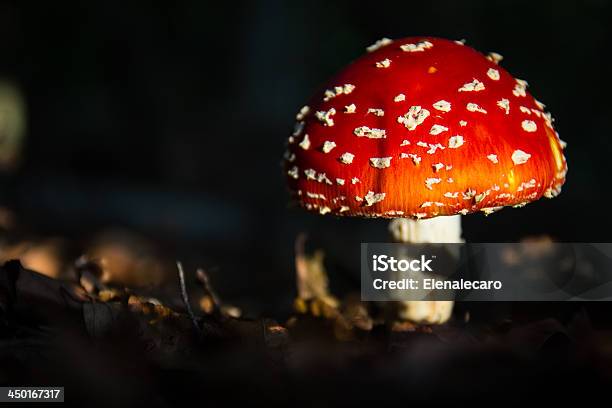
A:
419	128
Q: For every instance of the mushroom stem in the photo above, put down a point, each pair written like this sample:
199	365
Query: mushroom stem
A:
434	230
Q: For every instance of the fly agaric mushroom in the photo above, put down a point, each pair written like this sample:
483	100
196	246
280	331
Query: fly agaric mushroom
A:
419	128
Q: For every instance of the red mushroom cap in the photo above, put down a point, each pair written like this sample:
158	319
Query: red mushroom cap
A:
421	127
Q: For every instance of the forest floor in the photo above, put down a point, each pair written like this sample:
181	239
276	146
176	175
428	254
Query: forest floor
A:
110	346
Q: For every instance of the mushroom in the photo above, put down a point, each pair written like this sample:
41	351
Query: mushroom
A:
423	130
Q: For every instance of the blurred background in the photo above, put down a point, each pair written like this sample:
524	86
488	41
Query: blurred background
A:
147	132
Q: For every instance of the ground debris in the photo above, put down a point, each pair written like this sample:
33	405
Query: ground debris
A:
349	338
210	303
35	300
314	298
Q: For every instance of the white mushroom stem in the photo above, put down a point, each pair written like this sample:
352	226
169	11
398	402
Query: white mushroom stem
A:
433	230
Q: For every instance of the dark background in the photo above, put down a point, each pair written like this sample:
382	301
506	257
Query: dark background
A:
169	119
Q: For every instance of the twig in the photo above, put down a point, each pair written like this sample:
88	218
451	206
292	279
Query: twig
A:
185	297
203	277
